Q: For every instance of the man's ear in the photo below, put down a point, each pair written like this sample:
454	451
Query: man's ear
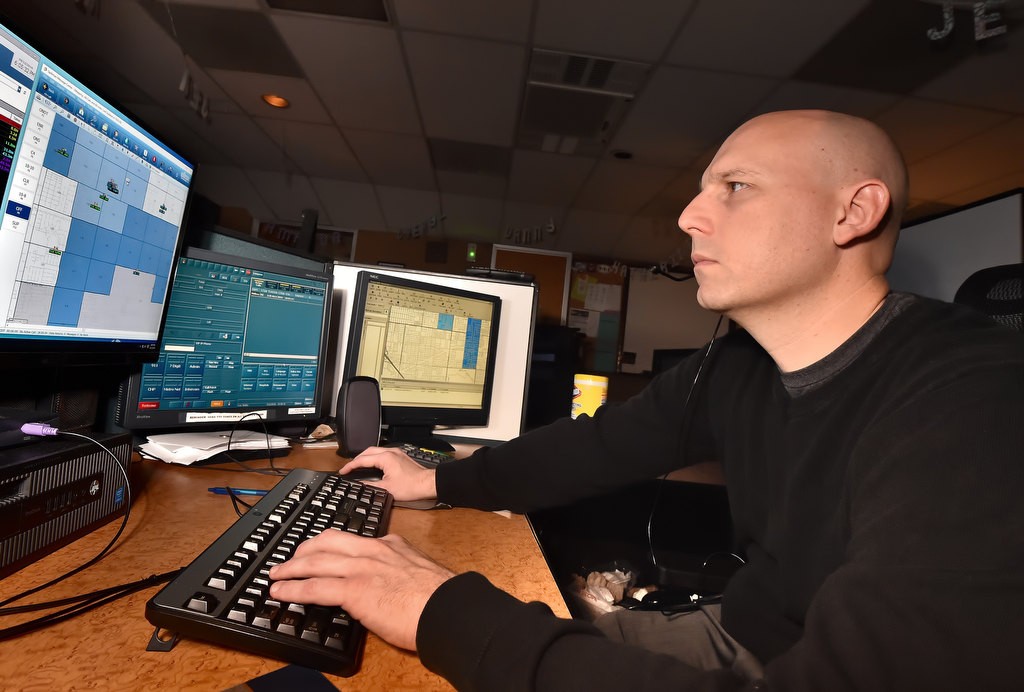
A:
864	210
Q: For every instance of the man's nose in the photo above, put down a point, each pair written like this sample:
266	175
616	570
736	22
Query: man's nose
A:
693	219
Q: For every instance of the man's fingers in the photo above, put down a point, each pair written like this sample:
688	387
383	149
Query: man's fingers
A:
317	590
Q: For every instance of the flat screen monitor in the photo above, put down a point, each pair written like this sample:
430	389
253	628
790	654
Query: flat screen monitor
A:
92	213
431	348
245	342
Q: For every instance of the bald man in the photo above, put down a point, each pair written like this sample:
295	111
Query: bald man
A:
871	443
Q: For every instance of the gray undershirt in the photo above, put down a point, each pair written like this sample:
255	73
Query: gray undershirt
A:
805	380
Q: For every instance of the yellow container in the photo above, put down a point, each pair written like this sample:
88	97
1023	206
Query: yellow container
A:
589	392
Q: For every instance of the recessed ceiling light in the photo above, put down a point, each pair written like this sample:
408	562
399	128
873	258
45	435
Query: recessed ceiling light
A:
276	101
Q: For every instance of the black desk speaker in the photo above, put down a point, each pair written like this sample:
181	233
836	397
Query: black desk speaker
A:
358	415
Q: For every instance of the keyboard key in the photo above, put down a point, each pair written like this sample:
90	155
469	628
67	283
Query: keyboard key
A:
202	603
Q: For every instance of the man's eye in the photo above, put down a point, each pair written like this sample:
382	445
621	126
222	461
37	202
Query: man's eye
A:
735	186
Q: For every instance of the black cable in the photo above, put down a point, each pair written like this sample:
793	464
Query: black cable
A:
236	500
151	580
99	556
656	269
270	458
81	604
686	418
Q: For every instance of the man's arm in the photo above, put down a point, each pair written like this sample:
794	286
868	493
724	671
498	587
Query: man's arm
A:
465	629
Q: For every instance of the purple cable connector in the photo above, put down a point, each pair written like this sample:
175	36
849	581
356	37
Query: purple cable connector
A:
39	429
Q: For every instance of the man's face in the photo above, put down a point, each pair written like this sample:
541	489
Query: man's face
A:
761	225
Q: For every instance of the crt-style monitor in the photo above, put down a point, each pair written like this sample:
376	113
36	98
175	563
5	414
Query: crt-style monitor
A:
430	347
92	212
245	340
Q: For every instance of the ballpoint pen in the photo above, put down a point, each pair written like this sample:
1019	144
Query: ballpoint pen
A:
221	490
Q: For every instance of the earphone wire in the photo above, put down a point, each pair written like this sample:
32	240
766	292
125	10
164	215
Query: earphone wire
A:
686	418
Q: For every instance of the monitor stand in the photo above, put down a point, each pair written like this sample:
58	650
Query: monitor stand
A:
419	435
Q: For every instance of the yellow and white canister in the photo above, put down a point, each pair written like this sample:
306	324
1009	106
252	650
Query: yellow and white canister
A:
589	392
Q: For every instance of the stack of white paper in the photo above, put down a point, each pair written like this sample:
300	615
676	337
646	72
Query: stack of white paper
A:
188	448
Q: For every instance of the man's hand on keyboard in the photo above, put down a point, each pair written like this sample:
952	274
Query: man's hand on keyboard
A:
405	479
382	582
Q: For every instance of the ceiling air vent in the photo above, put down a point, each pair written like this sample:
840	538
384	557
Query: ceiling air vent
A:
372	10
573	102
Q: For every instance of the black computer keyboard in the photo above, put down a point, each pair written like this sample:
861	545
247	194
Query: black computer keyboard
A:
223	595
429	458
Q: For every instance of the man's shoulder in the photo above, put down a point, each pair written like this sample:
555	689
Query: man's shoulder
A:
953	328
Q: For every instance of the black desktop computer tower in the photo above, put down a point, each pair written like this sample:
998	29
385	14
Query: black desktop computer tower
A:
56	490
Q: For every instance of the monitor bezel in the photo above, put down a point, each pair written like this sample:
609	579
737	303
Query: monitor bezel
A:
128	414
437	417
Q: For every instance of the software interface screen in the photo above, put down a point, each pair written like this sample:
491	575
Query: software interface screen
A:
237	338
425	348
91	209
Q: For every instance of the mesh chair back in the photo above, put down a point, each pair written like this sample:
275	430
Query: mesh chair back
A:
998	292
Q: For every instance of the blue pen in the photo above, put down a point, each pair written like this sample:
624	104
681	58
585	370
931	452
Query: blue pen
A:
221	490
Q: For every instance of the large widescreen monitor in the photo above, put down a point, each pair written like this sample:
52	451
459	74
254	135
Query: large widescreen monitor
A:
92	213
245	341
431	348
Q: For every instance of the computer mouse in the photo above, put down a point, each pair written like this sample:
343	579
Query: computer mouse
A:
362	475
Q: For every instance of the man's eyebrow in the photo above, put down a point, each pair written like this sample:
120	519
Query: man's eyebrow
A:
727	174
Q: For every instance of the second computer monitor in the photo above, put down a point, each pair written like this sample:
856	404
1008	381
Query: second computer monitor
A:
432	350
245	342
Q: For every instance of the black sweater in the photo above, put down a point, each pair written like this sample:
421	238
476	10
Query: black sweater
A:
882	514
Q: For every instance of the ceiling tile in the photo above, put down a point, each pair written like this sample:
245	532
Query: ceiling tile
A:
543	178
606	28
625	187
349	205
363	10
182	130
798	95
982	80
133	47
243	142
230	4
286	194
996	186
501	21
393	159
405	208
990	156
756	37
923	128
229	186
471	184
468	90
357	69
224	38
885	48
682	112
317	150
685	186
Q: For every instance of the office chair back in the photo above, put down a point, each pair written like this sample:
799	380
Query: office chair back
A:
996	291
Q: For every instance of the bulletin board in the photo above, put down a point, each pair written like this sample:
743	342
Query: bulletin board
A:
550	271
595	308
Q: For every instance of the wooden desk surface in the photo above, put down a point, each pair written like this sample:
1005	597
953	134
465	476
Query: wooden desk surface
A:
173	519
